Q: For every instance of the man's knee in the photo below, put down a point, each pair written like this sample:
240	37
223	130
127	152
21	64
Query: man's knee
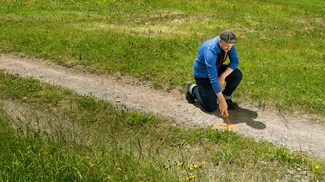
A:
211	108
238	74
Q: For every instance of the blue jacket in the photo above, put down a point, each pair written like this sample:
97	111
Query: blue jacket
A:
207	58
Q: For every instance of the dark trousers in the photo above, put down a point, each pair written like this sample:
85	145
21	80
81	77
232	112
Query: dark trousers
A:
205	94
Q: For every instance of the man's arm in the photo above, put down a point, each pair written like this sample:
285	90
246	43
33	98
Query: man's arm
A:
222	77
223	106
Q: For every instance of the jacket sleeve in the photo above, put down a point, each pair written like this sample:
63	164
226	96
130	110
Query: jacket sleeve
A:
233	57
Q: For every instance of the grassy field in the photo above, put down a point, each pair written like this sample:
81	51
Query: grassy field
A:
281	49
281	43
84	139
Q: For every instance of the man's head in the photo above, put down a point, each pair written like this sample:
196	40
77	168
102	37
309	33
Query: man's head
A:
228	37
227	40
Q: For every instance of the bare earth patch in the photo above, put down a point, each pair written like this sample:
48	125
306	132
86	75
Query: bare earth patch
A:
297	132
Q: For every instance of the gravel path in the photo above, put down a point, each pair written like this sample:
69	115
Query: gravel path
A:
294	131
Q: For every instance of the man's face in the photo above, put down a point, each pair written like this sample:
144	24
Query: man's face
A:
225	46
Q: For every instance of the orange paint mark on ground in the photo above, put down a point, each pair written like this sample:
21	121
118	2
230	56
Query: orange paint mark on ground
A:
226	127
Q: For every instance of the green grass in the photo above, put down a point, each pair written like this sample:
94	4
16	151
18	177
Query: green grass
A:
96	141
281	45
281	51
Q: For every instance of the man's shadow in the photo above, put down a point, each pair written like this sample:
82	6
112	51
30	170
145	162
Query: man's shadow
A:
240	115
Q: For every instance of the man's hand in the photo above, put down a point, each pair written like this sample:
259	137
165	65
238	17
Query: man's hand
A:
221	80
223	106
225	114
223	76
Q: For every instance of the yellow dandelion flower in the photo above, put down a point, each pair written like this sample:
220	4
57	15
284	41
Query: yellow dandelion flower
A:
190	177
202	164
316	167
180	164
192	166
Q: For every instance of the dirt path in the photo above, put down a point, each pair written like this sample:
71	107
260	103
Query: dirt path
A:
295	132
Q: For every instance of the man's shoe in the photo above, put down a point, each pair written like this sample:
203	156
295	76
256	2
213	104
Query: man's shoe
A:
189	97
231	105
188	94
190	86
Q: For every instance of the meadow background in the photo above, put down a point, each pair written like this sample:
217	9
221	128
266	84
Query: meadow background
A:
281	50
280	43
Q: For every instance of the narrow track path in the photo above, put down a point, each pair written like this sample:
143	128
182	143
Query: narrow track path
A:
297	132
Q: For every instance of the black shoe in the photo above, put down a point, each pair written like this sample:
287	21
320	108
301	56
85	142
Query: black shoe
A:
231	105
189	97
188	94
